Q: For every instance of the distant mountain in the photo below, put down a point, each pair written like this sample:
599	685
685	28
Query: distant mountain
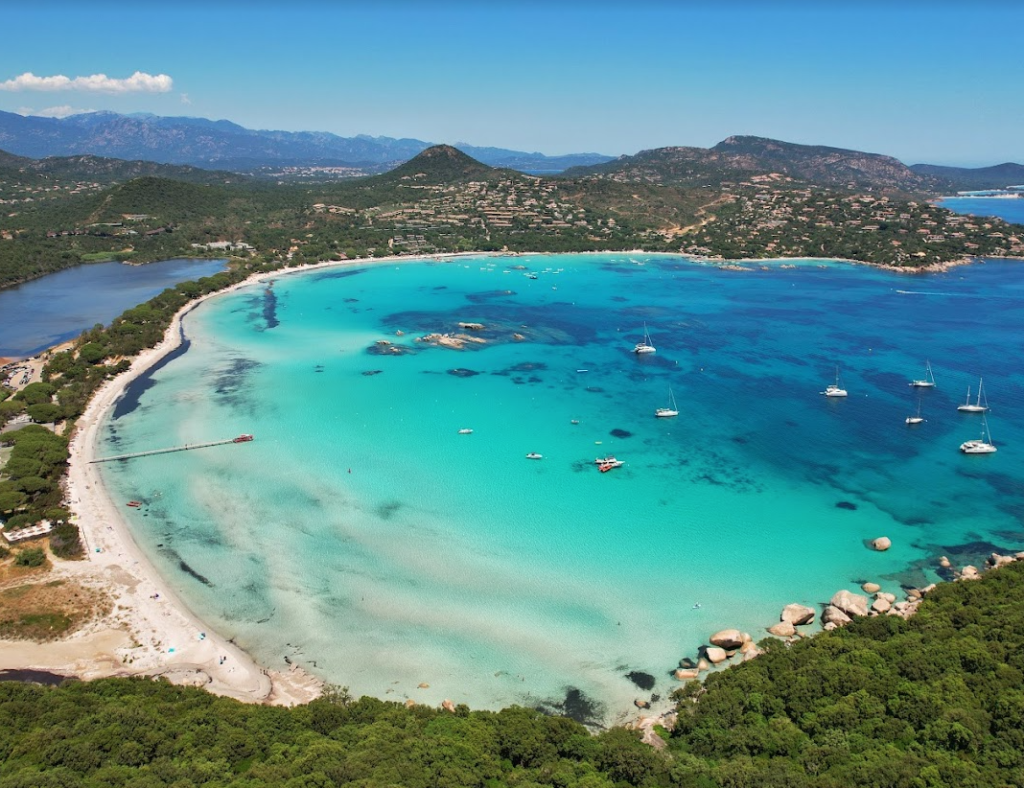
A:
224	145
739	158
965	179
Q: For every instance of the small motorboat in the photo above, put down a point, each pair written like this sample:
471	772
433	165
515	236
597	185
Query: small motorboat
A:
534	456
135	504
575	421
243	438
465	431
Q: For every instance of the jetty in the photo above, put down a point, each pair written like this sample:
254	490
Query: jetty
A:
244	438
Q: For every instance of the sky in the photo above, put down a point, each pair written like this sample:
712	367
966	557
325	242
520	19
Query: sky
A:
927	82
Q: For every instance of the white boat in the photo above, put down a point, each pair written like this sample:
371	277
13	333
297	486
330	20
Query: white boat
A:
983	445
916	419
465	431
664	413
534	456
645	346
606	460
834	389
929	378
977	407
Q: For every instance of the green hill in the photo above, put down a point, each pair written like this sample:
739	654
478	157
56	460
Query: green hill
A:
441	164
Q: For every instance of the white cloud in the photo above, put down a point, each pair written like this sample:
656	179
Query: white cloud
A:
62	111
96	83
185	99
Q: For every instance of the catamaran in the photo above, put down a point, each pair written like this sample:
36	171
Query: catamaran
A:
672	410
977	407
645	346
929	378
983	445
834	389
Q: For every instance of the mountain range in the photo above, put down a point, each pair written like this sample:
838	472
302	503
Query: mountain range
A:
223	145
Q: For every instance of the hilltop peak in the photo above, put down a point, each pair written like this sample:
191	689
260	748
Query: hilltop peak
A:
440	164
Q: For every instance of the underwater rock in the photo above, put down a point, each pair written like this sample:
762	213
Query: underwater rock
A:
870	588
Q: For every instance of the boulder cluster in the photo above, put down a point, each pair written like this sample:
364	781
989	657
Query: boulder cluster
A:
724	645
994	561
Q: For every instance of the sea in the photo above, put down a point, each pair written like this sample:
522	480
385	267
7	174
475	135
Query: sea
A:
58	307
1005	205
364	536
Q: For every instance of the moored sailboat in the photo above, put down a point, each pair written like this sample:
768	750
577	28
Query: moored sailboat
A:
645	346
672	410
982	445
977	407
929	378
834	389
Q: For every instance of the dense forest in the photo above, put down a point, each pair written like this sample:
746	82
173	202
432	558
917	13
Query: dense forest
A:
937	700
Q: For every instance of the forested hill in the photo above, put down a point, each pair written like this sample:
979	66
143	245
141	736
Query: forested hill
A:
440	164
930	702
739	158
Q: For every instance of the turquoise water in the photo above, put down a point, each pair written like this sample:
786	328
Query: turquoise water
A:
60	306
1010	209
362	537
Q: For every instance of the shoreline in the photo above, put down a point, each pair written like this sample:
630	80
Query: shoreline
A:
151	631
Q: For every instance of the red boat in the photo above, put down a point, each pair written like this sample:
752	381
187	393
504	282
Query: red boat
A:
245	437
134	504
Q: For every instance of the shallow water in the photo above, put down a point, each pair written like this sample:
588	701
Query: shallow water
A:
361	536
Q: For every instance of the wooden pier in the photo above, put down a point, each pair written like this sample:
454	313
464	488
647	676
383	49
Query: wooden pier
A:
186	447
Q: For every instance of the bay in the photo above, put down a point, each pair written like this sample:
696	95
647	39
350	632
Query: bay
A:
363	537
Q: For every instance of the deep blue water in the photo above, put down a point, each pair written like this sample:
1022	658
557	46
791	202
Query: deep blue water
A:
1009	208
59	307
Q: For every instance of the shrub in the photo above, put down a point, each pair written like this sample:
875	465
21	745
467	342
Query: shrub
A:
31	556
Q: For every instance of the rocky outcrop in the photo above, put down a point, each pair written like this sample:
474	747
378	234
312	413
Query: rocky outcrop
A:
797	614
851	604
969	573
881	544
784	629
880	606
447	705
728	638
835	616
870	588
685	674
715	654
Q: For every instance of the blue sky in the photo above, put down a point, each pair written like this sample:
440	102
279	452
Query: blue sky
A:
933	82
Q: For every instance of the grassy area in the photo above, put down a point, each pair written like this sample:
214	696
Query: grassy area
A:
45	610
104	257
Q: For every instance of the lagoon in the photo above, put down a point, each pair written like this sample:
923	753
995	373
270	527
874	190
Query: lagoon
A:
363	537
58	307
